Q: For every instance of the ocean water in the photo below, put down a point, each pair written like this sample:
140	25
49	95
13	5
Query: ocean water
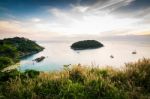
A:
59	53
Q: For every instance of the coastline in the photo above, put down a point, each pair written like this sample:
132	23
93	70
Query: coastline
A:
11	67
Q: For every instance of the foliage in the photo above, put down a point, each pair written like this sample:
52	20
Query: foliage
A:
22	45
86	44
5	76
5	61
11	49
8	51
8	75
79	82
31	73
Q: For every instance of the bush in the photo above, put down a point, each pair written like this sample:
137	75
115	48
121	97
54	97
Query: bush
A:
139	73
5	76
5	61
102	89
50	88
76	75
31	73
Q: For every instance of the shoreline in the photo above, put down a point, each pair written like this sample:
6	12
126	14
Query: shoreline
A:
11	67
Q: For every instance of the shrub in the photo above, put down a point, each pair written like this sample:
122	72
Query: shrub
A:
50	88
5	61
31	73
139	74
5	76
101	89
77	75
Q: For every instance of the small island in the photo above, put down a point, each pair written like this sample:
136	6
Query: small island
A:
86	44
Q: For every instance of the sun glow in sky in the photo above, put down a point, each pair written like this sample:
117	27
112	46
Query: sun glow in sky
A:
49	18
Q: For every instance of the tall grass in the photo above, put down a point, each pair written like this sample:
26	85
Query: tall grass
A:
80	82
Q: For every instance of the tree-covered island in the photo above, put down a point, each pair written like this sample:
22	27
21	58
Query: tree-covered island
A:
86	44
12	49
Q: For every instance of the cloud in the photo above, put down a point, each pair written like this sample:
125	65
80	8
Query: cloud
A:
93	17
107	5
79	10
10	26
29	29
35	20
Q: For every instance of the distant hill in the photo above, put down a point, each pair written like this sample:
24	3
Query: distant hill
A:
12	49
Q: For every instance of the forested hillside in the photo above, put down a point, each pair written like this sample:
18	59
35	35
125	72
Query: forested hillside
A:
12	49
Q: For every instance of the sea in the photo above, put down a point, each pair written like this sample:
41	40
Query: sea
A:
117	52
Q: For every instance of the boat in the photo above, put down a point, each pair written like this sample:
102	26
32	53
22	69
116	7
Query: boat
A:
111	56
134	52
39	59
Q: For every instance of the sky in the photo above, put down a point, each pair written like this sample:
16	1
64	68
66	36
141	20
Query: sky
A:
47	19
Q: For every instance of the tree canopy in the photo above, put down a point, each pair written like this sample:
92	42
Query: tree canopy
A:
86	44
12	49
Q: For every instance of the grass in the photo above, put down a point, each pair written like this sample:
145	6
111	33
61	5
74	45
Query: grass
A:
80	82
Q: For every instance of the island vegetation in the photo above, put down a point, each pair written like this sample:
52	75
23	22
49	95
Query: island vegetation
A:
79	82
12	49
86	44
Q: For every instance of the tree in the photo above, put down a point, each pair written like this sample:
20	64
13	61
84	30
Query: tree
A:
5	61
